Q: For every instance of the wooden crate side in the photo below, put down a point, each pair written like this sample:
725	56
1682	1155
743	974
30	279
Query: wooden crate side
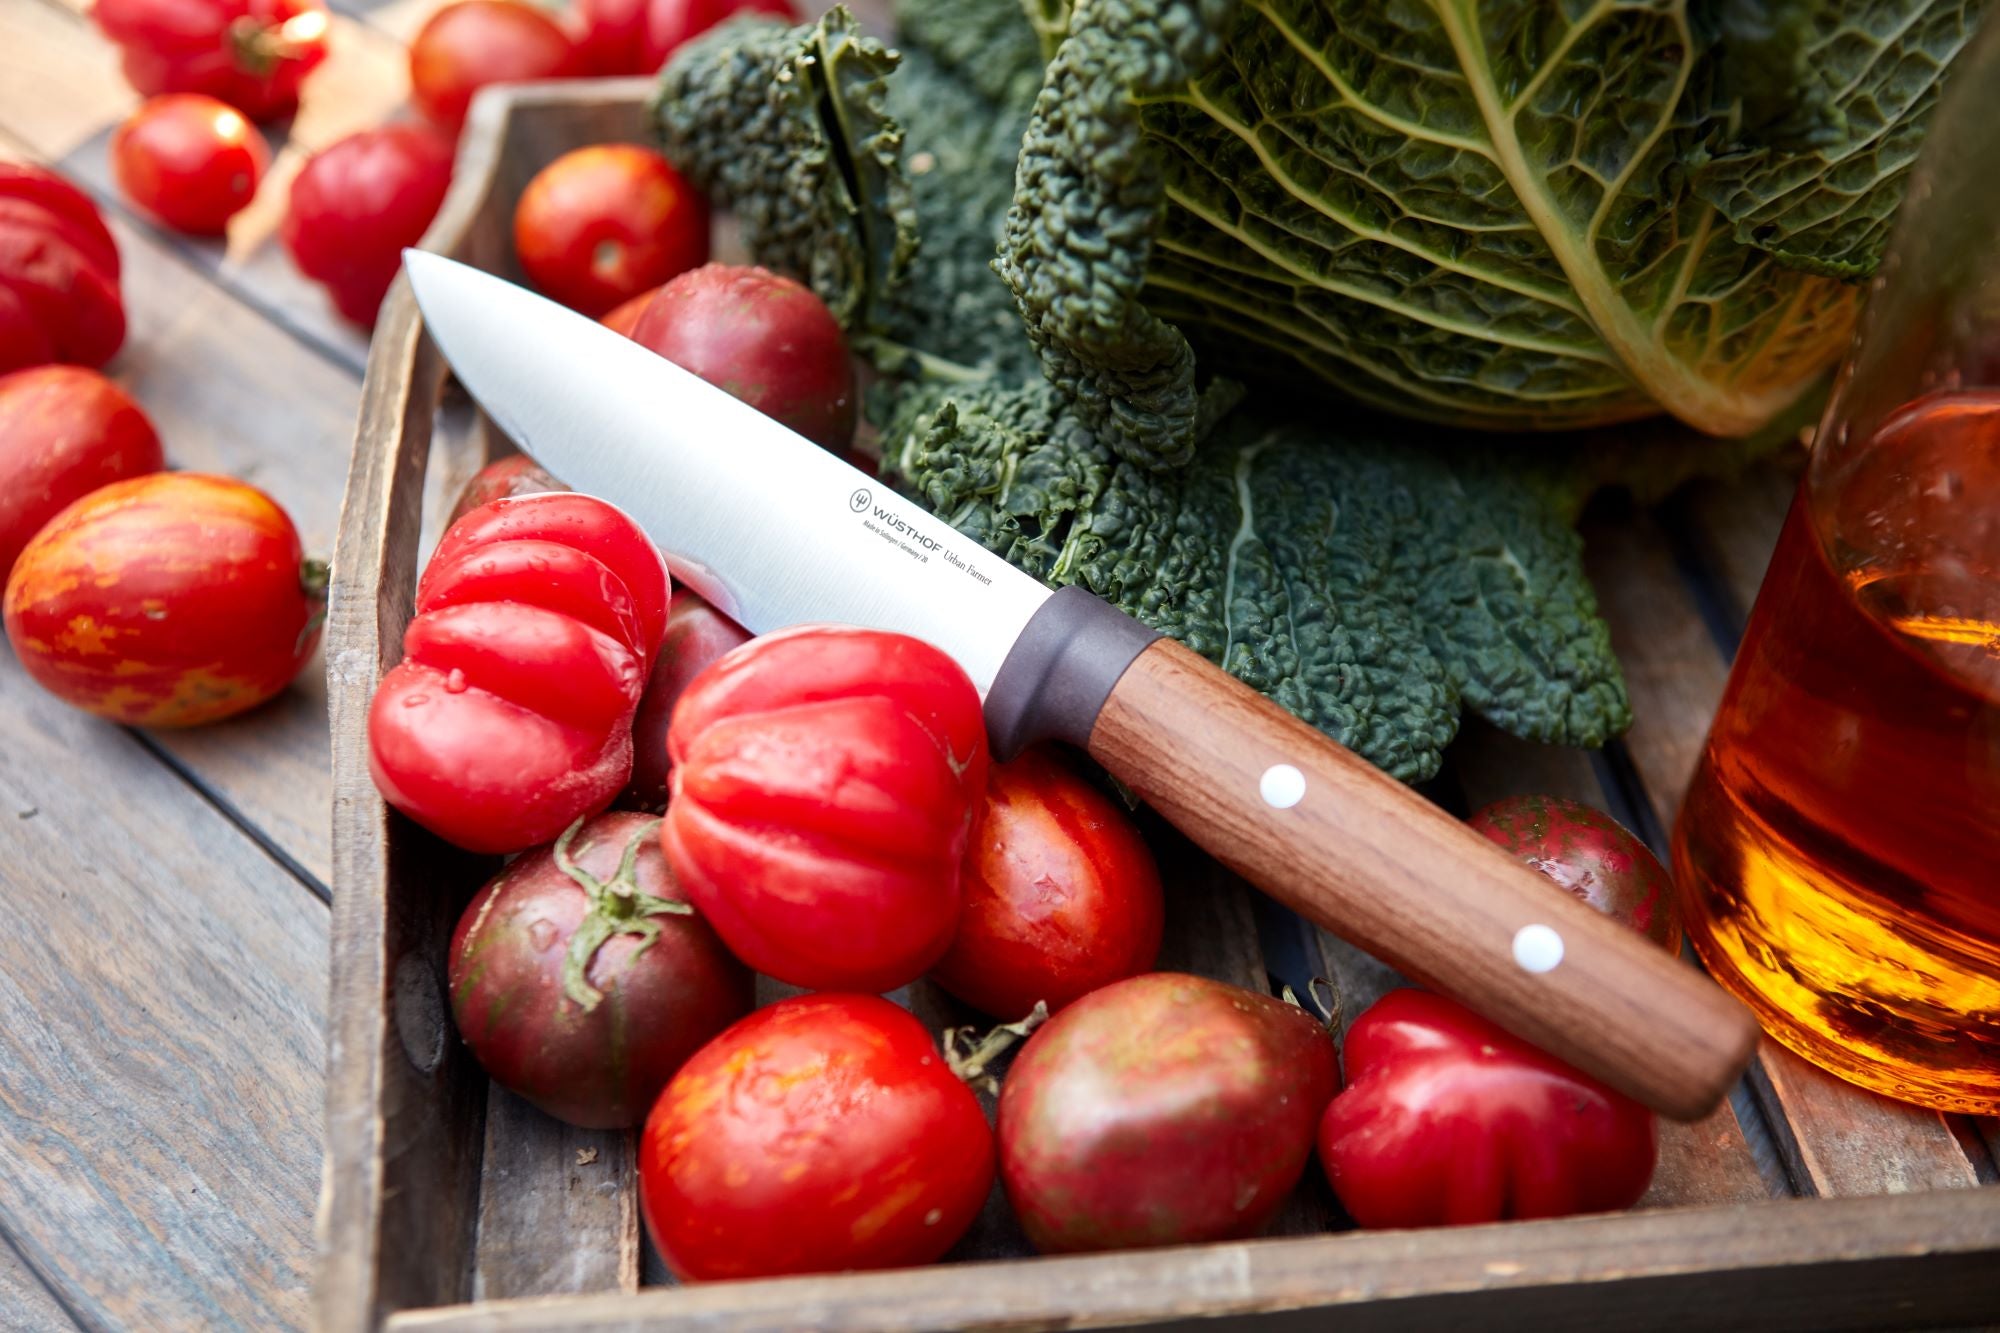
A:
1838	1139
558	1205
1829	1264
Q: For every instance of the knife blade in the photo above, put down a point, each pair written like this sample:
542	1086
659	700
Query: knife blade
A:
777	531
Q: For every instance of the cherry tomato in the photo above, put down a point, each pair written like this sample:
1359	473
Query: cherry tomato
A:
1590	854
581	979
765	339
357	205
821	1134
472	43
1061	893
599	225
1165	1109
697	634
59	298
671	23
251	54
64	431
624	317
510	715
823	783
166	600
191	161
1448	1119
516	474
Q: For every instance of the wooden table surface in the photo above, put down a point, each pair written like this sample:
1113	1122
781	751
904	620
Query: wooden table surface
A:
163	967
163	970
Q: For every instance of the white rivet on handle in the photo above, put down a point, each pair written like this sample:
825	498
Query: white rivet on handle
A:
1282	786
1538	948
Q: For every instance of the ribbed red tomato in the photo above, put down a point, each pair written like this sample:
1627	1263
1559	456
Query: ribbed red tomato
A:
59	298
510	715
1061	893
191	161
357	205
252	54
762	337
824	779
64	431
601	224
821	1134
1163	1110
624	317
1446	1118
697	634
516	474
637	36
472	43
166	600
582	980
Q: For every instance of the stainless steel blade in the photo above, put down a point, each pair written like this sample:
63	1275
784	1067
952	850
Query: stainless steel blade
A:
767	525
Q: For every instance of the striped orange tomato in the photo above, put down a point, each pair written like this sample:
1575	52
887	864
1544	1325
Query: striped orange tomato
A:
166	601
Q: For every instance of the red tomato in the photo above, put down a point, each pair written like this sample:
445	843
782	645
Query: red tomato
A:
64	431
818	1135
581	980
624	317
251	54
670	23
189	160
1589	853
357	205
765	339
824	779
599	225
1061	893
510	716
59	296
1447	1119
472	43
697	634
1163	1110
516	474
166	600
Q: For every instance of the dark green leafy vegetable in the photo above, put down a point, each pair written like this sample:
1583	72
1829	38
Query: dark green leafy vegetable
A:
1373	576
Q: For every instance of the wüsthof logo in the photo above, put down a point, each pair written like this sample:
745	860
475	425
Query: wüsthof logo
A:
860	500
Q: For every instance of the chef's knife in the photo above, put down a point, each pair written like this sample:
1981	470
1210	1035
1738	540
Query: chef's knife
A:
776	531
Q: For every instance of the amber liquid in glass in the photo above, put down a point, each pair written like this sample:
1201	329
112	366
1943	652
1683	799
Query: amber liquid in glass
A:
1839	850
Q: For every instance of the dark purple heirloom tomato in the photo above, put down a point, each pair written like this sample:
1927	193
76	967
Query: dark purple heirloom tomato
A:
1590	854
1166	1109
582	980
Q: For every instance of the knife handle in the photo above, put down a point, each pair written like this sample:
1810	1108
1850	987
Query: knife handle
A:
1359	853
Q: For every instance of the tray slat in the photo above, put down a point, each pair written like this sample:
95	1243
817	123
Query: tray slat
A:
558	1213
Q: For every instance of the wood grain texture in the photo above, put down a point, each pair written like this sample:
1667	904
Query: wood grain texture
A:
1733	526
160	1050
1792	1264
1363	855
1837	1139
558	1211
28	1304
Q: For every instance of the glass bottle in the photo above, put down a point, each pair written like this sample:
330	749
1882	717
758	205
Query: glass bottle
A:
1838	853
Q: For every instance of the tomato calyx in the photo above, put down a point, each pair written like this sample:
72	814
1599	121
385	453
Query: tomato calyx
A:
314	578
617	907
967	1054
1324	1011
258	47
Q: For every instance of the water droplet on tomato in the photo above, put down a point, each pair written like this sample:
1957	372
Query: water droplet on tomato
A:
542	934
415	700
454	682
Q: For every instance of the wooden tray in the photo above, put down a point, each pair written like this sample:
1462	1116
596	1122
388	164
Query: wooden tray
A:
451	1205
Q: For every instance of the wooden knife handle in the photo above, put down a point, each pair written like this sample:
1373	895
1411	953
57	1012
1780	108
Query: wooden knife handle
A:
1364	856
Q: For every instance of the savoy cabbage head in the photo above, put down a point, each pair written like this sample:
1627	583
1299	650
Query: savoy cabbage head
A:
1375	575
1507	214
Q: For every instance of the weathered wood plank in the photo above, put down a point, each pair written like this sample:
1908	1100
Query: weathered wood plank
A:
1734	526
1783	1265
161	984
27	1303
558	1206
1708	1161
1837	1138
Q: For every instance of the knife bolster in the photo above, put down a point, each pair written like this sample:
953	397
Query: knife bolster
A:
1057	676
